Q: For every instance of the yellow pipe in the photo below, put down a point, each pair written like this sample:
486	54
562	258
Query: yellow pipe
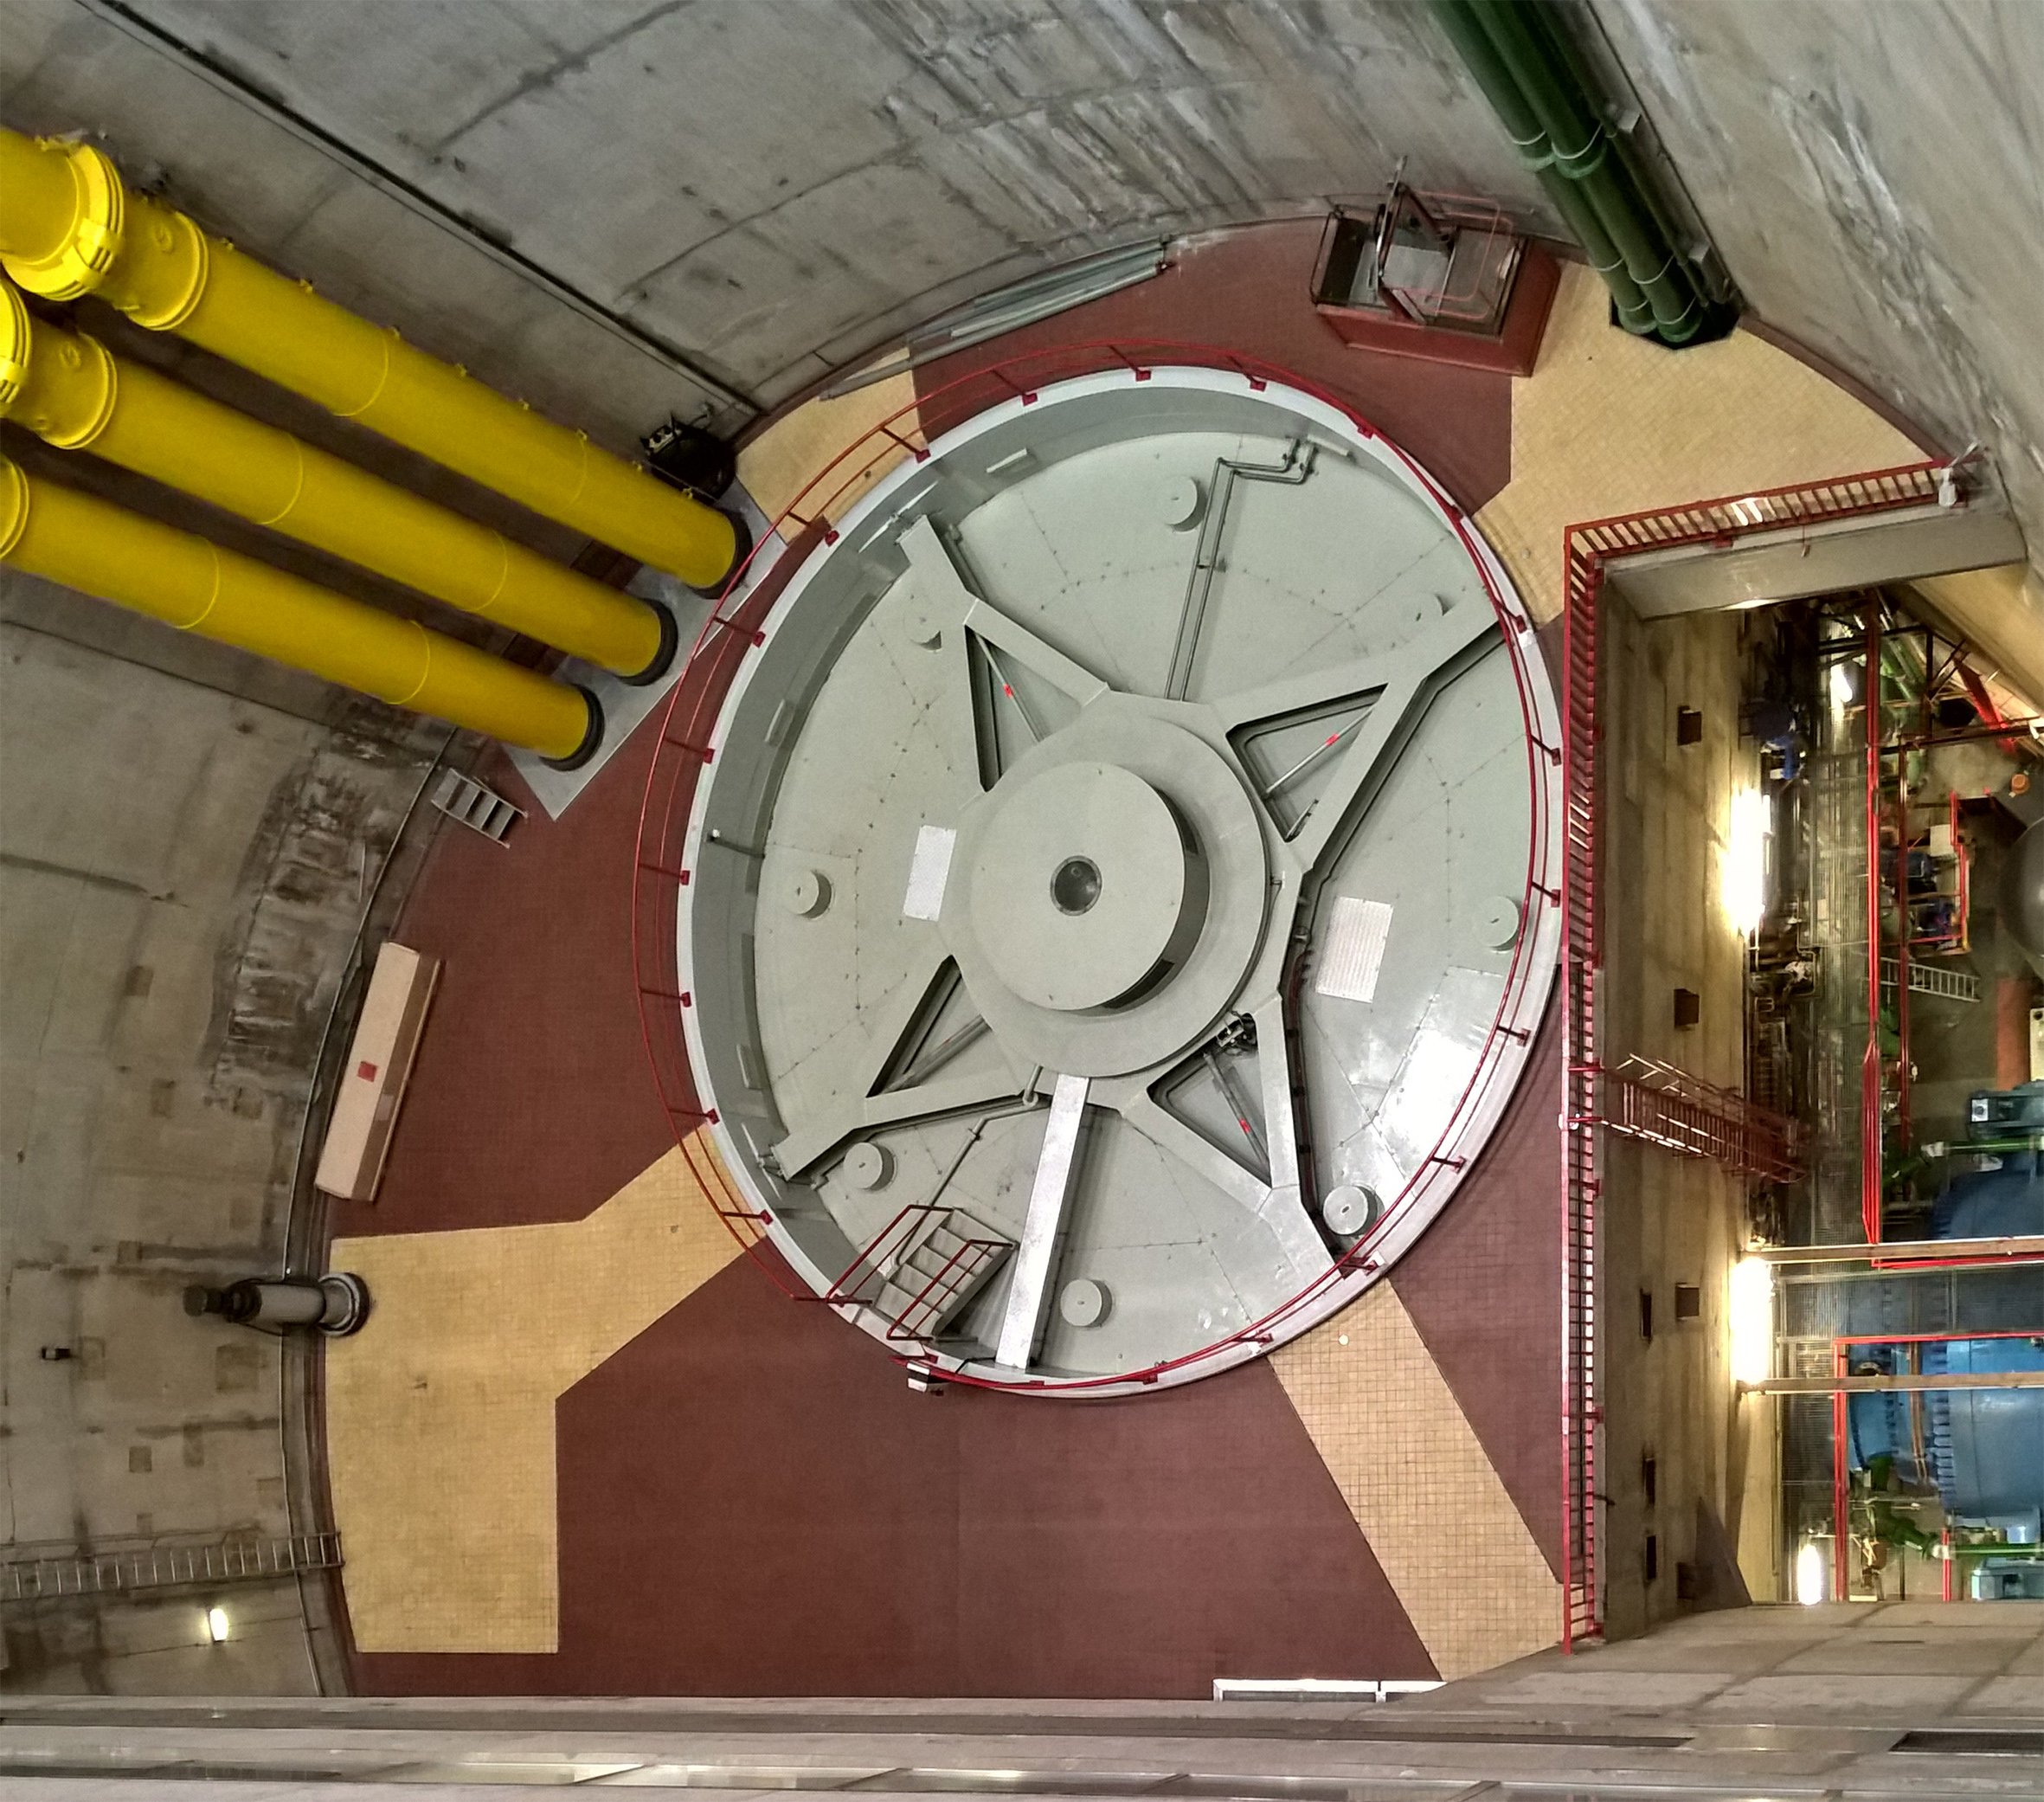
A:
79	398
68	228
194	585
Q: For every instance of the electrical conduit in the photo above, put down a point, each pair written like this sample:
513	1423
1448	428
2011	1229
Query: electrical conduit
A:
69	227
172	575
78	396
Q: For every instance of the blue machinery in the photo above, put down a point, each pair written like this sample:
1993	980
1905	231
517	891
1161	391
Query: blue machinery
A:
1981	1449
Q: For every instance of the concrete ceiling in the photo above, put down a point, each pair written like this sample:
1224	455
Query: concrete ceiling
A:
770	188
1873	175
588	200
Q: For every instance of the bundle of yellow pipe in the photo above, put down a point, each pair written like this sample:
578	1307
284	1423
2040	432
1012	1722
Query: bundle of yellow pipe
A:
192	584
69	389
69	229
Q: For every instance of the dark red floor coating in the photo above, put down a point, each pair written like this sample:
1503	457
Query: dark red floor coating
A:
1483	1287
532	1099
529	1100
752	1501
1249	291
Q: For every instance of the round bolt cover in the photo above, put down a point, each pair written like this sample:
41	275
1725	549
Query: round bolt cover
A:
808	893
1350	1210
1082	1303
1179	503
1497	926
868	1165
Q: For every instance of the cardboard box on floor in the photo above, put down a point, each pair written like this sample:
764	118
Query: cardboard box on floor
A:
379	1065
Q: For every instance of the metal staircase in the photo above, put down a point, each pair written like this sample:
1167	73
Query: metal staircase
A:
1933	979
921	1271
1643	1098
476	805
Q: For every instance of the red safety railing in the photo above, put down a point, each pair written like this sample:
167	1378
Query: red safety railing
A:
1871	1128
1586	549
735	628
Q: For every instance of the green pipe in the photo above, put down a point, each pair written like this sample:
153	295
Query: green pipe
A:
1587	81
1536	152
1541	91
1582	152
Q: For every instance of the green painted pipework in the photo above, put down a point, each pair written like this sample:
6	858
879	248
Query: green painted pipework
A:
1622	144
1529	139
1582	142
1536	86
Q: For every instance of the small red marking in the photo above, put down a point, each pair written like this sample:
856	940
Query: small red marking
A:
366	1070
1243	1124
1330	741
1008	691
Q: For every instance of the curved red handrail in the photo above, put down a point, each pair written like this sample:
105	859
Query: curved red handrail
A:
684	749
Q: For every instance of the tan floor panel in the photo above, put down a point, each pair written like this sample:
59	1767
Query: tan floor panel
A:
440	1413
791	453
1410	1467
1608	423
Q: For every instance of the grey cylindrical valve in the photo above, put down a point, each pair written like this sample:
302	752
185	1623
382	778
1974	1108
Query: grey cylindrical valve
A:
336	1303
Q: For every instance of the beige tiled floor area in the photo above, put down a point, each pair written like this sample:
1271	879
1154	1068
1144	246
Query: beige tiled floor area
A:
1409	1465
1608	423
777	465
440	1413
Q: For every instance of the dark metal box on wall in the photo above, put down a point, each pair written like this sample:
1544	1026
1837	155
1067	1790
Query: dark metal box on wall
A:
1443	276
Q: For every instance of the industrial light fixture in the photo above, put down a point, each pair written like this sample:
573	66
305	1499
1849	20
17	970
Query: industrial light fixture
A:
1743	879
1810	1573
216	1626
1842	688
1751	1314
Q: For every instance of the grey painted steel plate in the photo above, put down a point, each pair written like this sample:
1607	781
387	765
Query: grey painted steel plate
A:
1126	868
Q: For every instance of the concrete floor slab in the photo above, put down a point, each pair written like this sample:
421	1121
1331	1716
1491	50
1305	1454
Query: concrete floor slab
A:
2015	1693
1796	1697
1969	1655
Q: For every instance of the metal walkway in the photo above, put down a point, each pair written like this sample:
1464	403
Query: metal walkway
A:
1646	1099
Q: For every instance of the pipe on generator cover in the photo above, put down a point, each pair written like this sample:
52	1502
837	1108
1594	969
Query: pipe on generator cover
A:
77	396
189	582
69	227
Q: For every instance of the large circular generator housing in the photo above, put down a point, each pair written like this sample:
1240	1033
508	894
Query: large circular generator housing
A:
1121	894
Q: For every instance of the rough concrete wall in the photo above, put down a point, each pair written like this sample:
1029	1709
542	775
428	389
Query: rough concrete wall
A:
284	196
181	873
1873	175
774	185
